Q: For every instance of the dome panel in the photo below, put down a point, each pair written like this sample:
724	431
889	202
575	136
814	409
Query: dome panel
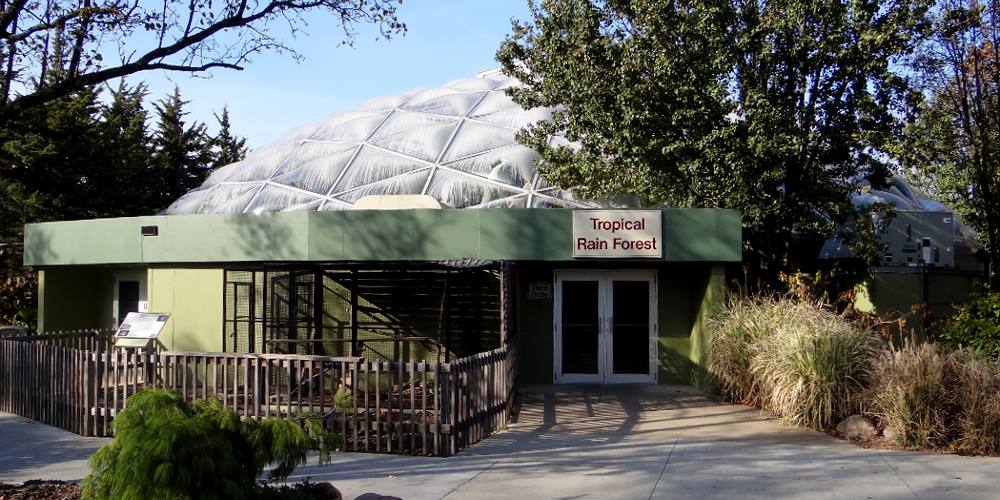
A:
474	138
297	134
385	103
474	84
409	183
454	142
463	191
189	203
372	165
519	201
274	198
544	201
318	173
444	102
229	198
418	135
312	205
513	165
221	174
349	127
260	165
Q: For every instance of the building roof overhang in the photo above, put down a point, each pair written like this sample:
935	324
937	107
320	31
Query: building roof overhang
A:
688	235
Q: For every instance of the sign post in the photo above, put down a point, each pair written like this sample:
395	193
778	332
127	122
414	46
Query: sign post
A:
617	233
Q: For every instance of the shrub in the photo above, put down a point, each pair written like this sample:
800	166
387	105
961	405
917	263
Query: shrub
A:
978	400
814	367
976	326
736	335
914	395
798	361
928	396
166	448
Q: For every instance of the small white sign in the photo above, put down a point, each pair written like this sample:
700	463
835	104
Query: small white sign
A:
142	325
539	291
617	233
143	306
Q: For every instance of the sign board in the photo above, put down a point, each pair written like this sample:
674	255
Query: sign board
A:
142	325
617	233
541	290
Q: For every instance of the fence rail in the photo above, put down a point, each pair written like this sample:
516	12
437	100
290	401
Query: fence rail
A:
78	381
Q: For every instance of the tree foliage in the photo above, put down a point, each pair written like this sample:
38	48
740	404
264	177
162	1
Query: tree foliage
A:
51	49
82	157
776	108
950	148
165	448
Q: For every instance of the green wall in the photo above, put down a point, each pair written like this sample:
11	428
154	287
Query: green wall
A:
695	235
75	298
194	299
687	294
894	291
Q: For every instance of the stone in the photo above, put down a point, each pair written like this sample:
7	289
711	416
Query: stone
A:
856	427
376	496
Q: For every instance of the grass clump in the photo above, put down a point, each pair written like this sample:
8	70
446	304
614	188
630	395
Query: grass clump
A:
926	396
914	395
167	448
979	402
800	362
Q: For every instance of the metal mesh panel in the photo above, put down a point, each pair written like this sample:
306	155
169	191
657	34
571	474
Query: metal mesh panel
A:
386	314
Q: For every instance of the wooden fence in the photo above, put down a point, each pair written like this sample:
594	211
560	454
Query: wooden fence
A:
416	408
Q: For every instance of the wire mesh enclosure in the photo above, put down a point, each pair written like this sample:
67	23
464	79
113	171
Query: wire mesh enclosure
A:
406	313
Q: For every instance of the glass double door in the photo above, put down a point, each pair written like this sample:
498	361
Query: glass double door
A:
605	327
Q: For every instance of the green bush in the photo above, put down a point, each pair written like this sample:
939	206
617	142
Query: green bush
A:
166	448
795	360
975	326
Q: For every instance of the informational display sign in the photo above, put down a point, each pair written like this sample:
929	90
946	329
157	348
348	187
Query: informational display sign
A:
142	325
541	290
617	233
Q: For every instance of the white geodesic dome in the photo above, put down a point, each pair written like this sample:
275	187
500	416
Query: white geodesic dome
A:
454	143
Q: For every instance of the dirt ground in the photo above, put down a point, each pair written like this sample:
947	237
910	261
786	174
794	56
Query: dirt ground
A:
40	490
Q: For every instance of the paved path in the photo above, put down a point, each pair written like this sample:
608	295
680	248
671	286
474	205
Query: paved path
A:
29	450
659	442
608	443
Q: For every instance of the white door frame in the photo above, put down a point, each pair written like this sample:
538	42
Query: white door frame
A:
605	279
135	275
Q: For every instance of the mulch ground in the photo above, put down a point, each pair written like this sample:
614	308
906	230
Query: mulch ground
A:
40	490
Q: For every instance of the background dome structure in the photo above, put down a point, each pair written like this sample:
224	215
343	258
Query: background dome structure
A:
455	143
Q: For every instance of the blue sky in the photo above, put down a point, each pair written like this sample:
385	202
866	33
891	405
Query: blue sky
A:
445	40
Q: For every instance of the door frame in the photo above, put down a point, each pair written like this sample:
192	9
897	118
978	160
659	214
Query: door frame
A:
133	275
605	278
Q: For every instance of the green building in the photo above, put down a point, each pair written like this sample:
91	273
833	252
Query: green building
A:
412	228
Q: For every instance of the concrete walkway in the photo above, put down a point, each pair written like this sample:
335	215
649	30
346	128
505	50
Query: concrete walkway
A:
658	442
602	442
29	450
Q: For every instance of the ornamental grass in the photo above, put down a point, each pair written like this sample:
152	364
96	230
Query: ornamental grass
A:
800	362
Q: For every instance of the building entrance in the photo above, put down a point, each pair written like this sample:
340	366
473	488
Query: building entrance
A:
605	326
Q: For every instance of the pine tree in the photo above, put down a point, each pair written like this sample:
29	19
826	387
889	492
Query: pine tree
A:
228	148
126	143
182	155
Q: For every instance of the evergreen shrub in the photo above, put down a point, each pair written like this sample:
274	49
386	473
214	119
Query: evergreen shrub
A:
166	448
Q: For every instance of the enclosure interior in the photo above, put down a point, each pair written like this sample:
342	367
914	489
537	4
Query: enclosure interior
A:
397	313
